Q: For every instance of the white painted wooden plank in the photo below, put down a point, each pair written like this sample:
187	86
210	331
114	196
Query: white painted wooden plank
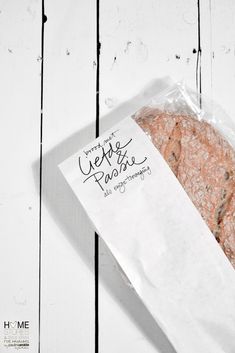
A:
221	16
149	40
140	41
20	27
69	123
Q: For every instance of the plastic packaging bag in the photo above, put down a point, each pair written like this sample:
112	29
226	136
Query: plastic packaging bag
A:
157	235
177	98
200	157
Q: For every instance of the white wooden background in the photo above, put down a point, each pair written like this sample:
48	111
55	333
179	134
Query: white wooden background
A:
140	41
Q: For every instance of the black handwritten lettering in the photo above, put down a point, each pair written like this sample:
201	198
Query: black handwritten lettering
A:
108	177
97	179
89	169
112	161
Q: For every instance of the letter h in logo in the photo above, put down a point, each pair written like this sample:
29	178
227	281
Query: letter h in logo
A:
6	324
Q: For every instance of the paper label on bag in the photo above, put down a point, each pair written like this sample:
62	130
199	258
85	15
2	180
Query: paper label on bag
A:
158	237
